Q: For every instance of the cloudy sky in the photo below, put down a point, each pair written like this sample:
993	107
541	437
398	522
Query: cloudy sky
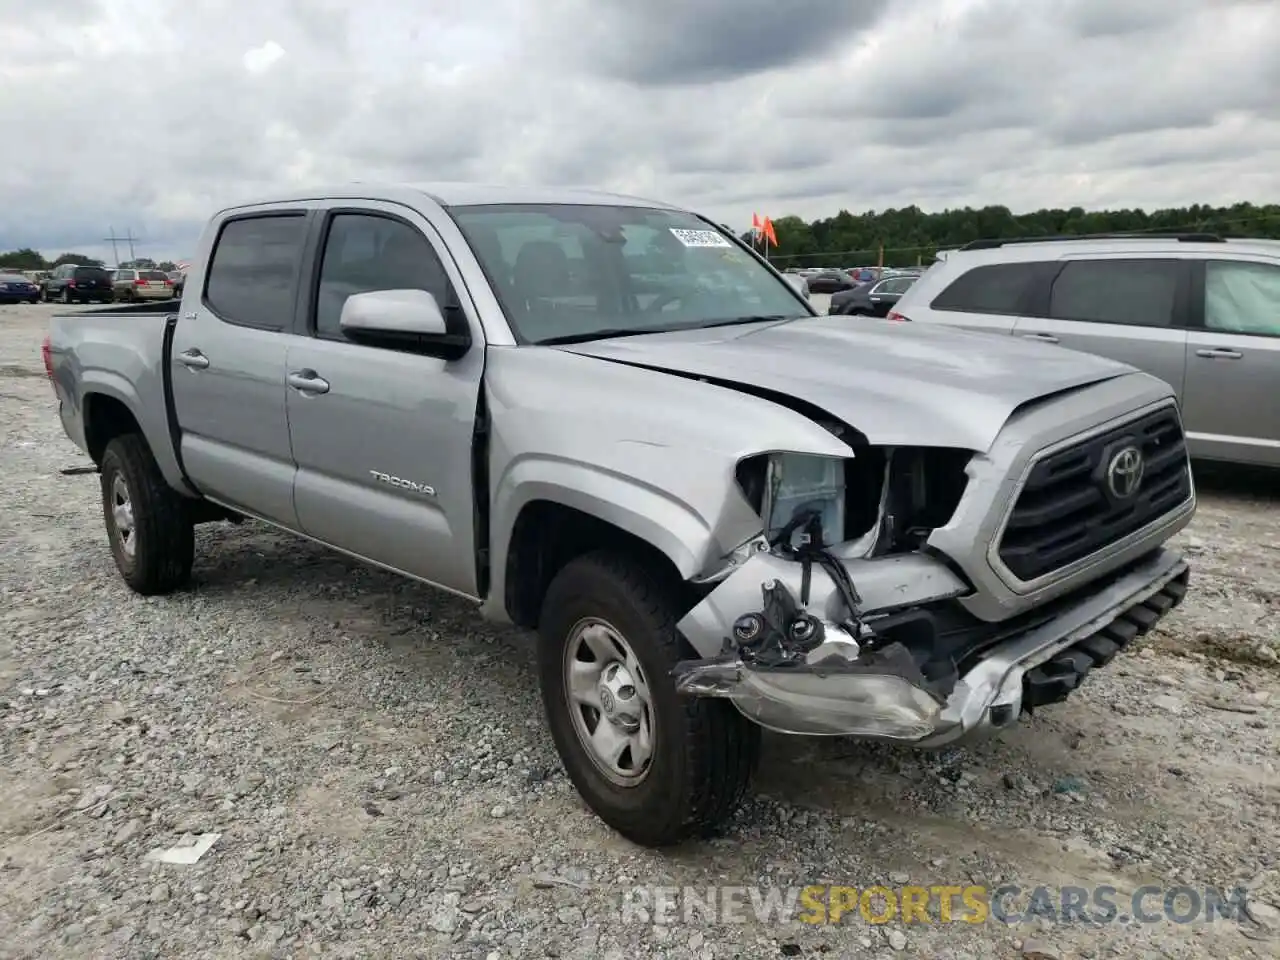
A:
148	114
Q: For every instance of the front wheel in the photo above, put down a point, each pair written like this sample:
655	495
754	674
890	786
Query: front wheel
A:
148	523
657	767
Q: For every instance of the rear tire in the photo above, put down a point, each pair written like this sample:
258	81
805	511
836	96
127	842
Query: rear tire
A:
702	751
149	524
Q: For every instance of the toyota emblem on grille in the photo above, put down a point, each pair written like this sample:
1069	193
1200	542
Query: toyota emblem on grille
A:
1124	473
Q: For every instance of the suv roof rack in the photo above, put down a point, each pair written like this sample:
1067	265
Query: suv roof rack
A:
1180	237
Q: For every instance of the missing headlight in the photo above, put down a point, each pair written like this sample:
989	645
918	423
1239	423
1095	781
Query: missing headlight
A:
894	495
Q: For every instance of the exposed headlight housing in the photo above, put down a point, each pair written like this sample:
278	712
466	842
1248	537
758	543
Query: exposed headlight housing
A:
898	493
794	487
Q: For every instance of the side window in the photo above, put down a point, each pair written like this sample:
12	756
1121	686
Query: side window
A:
254	270
1133	292
1242	297
363	253
999	288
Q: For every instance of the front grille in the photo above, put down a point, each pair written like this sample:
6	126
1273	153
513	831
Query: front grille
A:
1067	508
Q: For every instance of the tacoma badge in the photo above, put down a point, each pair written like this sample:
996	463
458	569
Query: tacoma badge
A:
421	488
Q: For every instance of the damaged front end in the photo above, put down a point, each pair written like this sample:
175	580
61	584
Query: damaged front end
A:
839	620
792	672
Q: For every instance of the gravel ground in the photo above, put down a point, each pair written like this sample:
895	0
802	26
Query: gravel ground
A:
373	758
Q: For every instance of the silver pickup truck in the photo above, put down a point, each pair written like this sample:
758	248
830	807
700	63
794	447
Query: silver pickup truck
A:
607	419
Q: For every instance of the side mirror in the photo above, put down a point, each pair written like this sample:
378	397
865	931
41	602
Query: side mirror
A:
401	319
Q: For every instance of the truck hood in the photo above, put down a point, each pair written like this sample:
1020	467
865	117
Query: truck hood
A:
898	383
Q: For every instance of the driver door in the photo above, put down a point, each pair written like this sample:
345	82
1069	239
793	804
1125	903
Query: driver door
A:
383	437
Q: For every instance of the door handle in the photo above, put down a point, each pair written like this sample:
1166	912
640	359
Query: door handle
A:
1219	353
307	381
1042	337
193	359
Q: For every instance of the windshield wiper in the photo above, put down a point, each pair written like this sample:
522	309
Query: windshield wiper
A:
610	332
604	334
758	318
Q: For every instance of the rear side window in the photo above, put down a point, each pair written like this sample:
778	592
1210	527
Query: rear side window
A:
1134	292
1242	297
254	270
996	288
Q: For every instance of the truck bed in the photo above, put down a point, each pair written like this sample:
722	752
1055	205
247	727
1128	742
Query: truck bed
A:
112	362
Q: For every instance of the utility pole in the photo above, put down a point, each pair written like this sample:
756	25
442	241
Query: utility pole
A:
128	238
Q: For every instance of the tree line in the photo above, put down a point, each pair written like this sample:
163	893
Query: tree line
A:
28	259
909	236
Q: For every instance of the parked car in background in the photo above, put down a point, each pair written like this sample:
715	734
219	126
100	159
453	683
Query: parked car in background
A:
16	288
861	532
873	299
131	284
829	281
74	283
1197	311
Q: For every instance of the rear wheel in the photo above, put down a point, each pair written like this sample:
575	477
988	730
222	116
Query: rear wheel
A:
149	524
656	767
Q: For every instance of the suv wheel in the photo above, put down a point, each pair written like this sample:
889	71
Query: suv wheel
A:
148	523
657	767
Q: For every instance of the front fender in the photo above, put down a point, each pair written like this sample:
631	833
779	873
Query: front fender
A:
652	515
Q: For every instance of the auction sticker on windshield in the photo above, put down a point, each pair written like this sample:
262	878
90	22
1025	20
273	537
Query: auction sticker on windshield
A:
699	238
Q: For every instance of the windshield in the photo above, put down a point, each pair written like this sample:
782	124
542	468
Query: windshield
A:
584	271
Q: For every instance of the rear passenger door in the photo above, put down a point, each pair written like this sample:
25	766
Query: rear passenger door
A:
989	298
228	359
384	437
1129	309
1231	403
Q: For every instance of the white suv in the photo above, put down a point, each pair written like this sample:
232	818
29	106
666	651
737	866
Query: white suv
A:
1200	312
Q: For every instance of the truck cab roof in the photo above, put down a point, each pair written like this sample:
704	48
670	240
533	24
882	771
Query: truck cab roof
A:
454	195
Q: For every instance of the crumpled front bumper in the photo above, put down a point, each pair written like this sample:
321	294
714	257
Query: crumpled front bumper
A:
880	693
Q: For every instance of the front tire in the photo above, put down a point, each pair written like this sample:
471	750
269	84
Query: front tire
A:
148	523
657	767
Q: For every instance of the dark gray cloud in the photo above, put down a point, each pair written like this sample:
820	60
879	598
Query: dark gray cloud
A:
727	106
684	42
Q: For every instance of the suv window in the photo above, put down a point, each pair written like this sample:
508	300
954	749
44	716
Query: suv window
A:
91	273
254	269
1242	297
124	274
363	253
1133	292
995	288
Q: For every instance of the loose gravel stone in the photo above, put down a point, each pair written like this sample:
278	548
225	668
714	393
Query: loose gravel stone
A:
290	692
